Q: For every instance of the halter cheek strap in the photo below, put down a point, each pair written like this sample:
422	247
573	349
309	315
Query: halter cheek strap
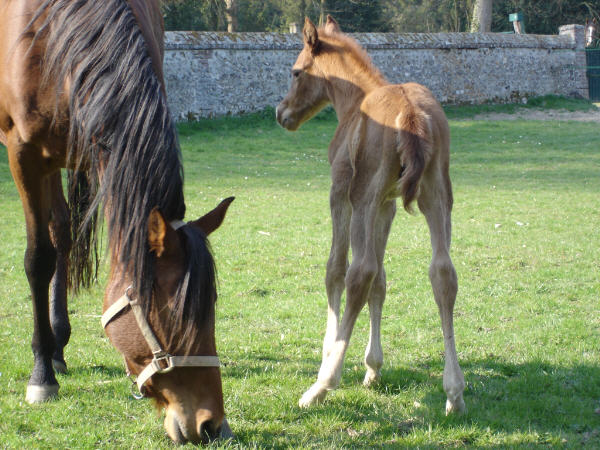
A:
162	362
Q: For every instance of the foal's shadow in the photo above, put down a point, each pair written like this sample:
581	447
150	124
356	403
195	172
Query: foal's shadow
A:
506	397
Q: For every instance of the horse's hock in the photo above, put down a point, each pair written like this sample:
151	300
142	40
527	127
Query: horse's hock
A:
212	74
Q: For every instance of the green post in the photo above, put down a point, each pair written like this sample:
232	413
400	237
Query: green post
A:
518	22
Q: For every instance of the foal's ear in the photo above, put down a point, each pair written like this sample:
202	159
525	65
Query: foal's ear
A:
331	26
211	221
157	230
311	37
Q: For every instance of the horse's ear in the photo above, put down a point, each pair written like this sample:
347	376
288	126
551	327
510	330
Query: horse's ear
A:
157	230
211	221
311	37
331	26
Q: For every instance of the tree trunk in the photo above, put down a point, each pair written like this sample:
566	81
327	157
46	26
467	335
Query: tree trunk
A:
482	17
231	15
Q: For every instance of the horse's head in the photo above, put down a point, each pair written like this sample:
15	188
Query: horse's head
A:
170	345
308	91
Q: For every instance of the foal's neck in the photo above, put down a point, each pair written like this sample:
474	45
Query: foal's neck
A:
350	83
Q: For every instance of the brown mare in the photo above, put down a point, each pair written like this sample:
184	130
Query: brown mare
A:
391	141
81	87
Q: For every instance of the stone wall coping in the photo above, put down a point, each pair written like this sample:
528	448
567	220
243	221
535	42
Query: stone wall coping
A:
208	40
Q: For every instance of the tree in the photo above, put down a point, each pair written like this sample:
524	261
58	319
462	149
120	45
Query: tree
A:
231	15
354	15
482	17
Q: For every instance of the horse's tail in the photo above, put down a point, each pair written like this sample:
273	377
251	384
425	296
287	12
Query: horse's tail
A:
414	148
83	262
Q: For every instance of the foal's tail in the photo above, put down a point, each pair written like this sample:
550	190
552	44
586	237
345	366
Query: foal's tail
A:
414	147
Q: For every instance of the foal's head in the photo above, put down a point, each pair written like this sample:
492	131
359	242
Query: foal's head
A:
191	396
308	92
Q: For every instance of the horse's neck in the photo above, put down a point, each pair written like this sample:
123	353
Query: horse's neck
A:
349	85
150	20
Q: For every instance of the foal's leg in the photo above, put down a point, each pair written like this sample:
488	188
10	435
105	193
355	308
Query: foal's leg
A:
359	278
40	261
60	232
374	352
337	265
435	201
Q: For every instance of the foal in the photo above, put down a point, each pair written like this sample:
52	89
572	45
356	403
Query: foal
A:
392	141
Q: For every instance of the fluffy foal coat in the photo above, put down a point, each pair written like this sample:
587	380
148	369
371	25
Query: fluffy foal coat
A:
391	141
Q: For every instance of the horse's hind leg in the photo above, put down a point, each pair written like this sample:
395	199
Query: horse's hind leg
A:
40	260
374	352
60	232
435	201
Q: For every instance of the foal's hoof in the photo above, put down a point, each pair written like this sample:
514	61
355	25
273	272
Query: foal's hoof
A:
372	378
59	366
455	407
39	394
315	395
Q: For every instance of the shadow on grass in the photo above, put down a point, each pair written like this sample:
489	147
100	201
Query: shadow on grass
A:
532	402
508	398
95	370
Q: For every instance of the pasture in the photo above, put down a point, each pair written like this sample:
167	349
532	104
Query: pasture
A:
526	237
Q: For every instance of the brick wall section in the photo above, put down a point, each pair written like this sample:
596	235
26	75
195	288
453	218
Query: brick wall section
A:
212	74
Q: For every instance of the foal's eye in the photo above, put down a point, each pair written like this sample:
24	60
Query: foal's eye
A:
296	73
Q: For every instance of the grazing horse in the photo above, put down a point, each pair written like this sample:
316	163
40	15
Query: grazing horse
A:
391	141
81	87
591	33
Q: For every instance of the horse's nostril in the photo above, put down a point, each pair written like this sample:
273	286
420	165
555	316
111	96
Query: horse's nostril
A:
208	431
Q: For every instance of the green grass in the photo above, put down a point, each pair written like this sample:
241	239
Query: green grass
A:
526	239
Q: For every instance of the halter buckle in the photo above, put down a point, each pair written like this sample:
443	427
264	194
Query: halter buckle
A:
162	362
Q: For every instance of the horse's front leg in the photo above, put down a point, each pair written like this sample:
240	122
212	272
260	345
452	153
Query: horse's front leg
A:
60	233
40	261
337	265
358	280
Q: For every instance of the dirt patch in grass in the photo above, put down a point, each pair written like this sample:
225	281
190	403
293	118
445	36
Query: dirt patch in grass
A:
532	114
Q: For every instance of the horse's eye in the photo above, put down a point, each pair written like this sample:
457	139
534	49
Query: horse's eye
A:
296	73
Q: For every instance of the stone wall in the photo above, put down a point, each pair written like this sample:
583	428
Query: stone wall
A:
211	74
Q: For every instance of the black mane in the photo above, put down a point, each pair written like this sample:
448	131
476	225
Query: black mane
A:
120	125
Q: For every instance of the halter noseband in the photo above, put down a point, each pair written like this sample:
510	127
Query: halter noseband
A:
162	362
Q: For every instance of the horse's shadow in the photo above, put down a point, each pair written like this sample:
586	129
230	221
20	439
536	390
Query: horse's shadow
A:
109	372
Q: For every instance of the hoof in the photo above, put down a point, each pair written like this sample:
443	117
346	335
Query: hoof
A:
371	378
226	432
39	394
455	407
59	366
315	395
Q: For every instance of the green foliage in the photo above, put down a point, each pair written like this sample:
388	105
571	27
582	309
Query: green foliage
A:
541	16
525	246
356	15
194	15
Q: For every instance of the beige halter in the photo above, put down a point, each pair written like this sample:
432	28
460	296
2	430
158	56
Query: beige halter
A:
162	362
